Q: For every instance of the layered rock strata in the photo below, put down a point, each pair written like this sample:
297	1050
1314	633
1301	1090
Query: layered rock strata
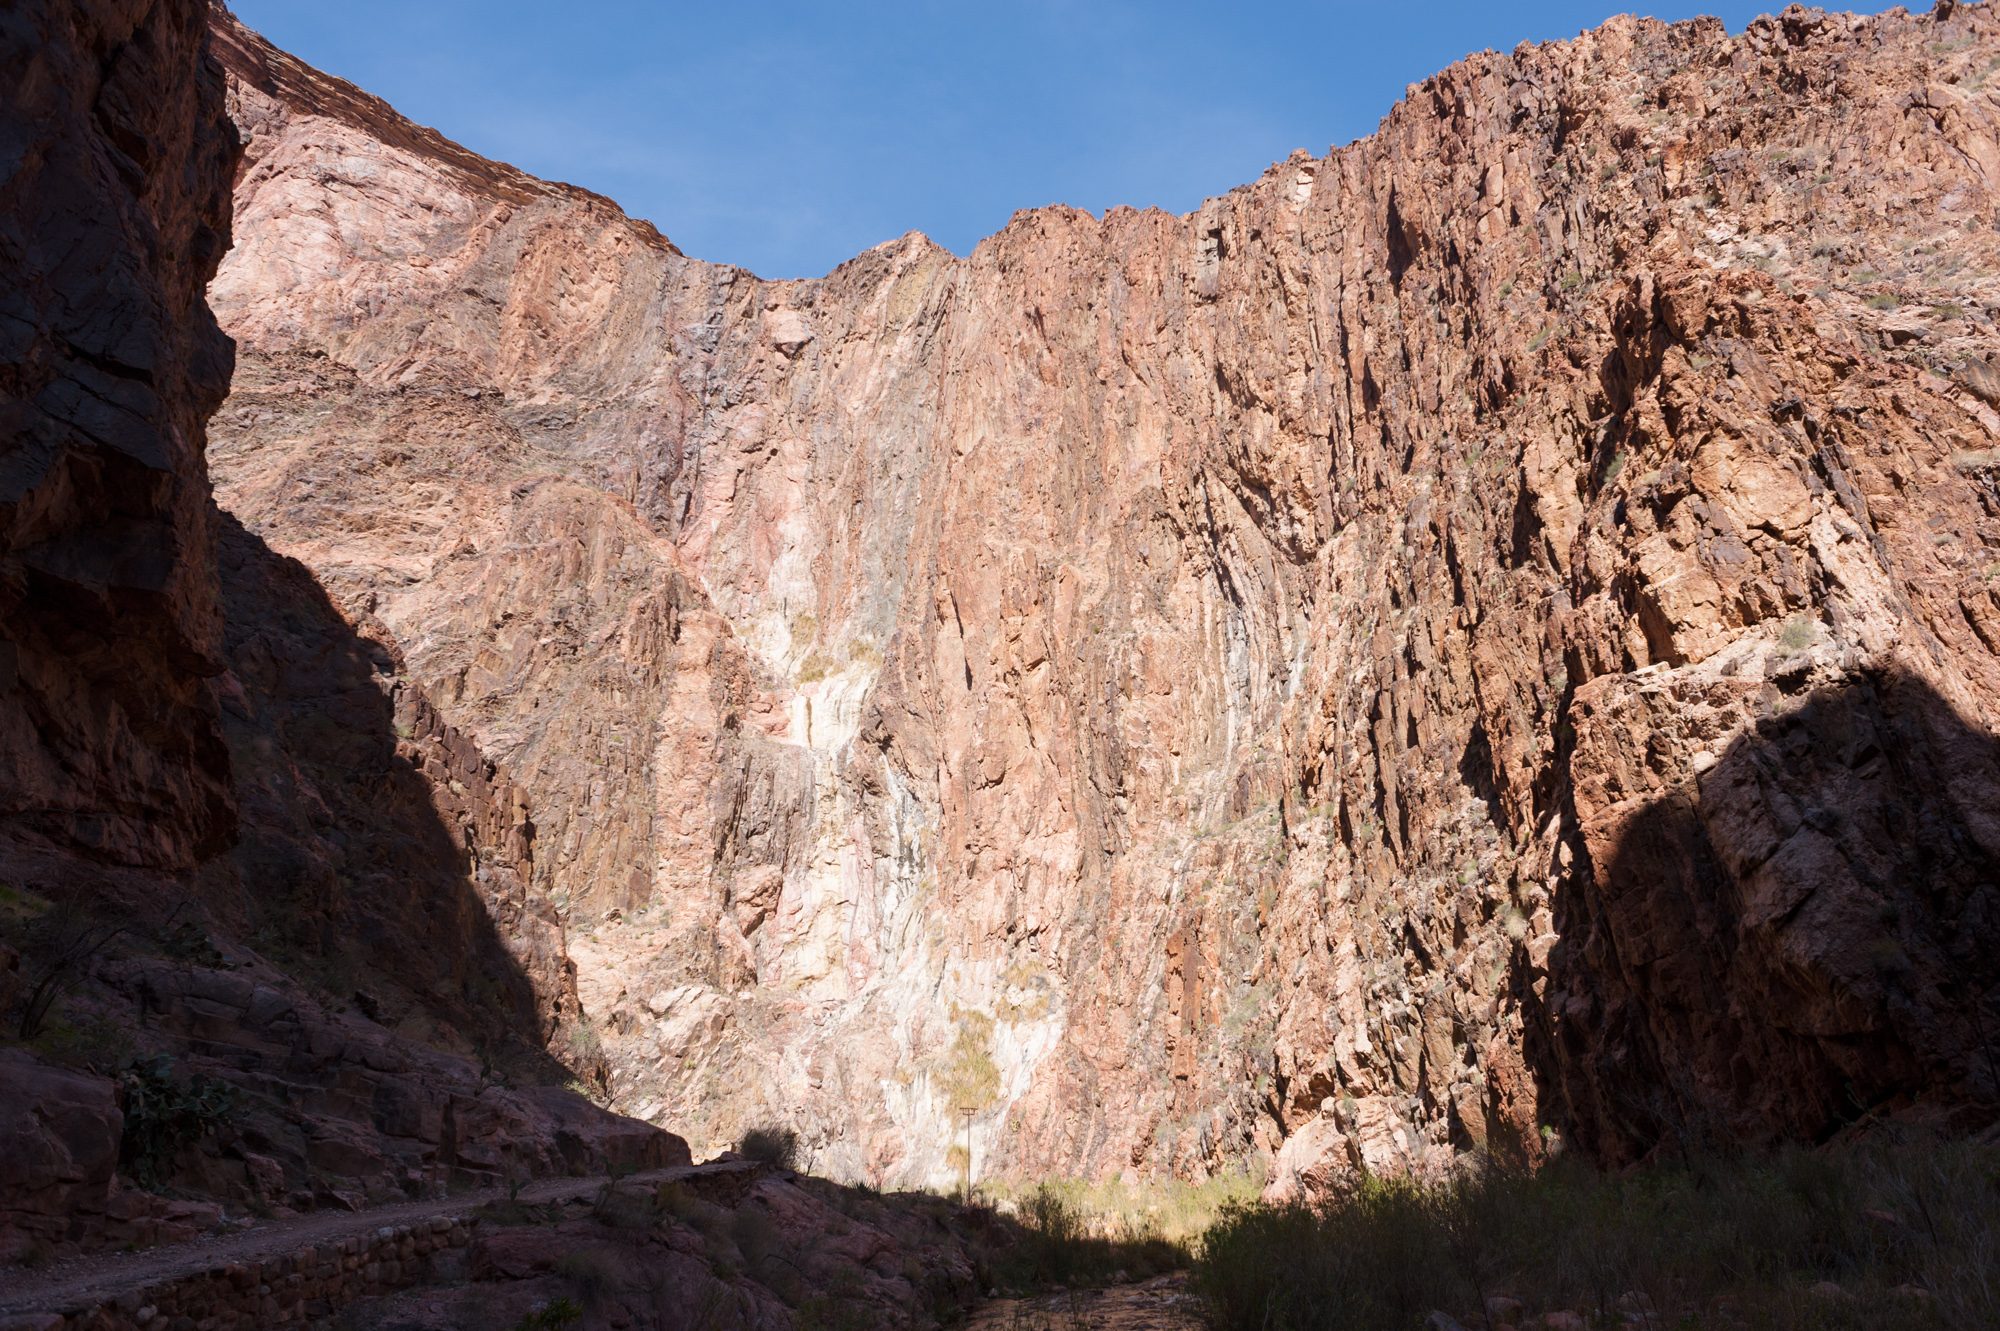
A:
1482	637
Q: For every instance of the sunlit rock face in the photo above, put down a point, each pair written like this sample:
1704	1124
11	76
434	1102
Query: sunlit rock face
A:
1480	639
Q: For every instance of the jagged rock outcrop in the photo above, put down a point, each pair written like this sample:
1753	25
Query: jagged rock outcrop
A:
234	834
1443	643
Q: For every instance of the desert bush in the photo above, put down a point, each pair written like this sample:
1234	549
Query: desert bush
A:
774	1146
842	1305
622	1207
64	941
675	1201
1055	1241
1887	1235
165	1114
753	1233
592	1273
551	1316
1053	1219
91	1041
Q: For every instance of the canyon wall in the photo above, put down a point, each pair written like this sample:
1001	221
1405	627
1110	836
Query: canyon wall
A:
1481	638
239	846
114	208
177	700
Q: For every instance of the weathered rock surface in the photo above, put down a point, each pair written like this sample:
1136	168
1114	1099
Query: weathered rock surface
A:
725	1247
729	1243
114	208
59	1138
326	1108
233	831
1487	629
379	849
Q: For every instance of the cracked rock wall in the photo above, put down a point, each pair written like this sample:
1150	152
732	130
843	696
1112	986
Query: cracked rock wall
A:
1365	670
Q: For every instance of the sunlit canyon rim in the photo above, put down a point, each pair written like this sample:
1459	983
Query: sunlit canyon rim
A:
1481	640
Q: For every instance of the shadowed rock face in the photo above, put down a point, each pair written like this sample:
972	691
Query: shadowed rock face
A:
114	208
1285	679
1786	937
378	846
174	705
233	831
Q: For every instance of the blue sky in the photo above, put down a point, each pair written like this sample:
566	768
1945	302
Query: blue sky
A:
789	135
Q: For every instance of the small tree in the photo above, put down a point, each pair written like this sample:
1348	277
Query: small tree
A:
69	940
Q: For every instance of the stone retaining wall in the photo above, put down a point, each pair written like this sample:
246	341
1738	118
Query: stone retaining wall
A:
303	1288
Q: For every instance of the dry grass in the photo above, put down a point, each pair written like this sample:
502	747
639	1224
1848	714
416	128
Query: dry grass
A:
1067	1232
1055	1243
1169	1209
1883	1236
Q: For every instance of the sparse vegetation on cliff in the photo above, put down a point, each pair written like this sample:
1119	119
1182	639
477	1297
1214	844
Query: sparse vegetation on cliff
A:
1881	1236
774	1146
969	1079
165	1112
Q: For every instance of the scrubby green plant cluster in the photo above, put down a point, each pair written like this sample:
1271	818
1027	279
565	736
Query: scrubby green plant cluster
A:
1886	1235
166	1113
1056	1242
777	1147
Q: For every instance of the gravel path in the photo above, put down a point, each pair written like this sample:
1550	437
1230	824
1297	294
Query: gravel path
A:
101	1277
1159	1304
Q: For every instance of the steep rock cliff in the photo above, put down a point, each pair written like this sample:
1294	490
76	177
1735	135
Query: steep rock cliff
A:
114	208
1486	634
233	831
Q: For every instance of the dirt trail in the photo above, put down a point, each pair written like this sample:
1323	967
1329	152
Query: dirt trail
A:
101	1277
1160	1304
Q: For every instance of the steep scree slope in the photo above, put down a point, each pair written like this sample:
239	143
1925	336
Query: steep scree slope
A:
1489	630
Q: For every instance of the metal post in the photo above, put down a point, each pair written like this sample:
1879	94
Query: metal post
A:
967	1188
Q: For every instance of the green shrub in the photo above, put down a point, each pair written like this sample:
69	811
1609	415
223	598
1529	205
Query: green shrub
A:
1668	1245
774	1146
164	1115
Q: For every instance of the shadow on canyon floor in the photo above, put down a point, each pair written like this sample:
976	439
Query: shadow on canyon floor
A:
1803	937
728	1247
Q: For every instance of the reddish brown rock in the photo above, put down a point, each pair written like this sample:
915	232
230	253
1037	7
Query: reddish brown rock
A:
233	831
114	208
1448	639
59	1134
